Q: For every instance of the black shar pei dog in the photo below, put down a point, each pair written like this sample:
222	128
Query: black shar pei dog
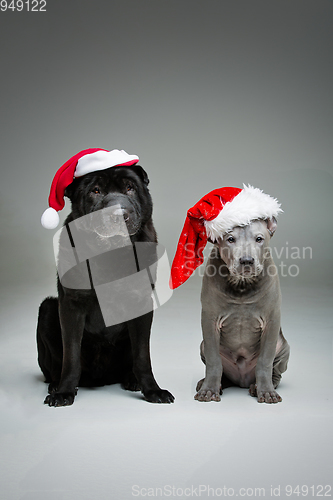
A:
75	347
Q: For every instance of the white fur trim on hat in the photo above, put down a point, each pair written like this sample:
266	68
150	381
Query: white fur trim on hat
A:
250	204
100	160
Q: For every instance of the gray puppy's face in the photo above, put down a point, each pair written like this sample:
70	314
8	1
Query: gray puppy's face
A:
244	249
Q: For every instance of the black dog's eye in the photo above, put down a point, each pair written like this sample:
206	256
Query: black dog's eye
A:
96	190
129	187
259	239
231	239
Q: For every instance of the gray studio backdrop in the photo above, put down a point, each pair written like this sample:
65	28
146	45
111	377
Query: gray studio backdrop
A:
208	94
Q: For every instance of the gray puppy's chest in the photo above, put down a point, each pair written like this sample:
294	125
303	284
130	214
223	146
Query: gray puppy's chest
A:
240	330
240	333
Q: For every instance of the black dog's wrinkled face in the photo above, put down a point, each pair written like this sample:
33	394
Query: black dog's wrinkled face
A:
119	195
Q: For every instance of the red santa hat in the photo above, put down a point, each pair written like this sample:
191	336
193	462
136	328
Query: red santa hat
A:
214	215
85	162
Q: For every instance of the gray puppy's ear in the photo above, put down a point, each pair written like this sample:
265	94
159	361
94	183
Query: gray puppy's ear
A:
271	225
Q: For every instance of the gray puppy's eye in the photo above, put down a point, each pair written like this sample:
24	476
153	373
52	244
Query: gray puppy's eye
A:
259	239
231	239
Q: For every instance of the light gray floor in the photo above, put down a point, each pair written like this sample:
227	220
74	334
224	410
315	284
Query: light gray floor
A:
113	444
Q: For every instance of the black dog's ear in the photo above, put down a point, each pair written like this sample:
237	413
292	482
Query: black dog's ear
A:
69	190
137	169
271	225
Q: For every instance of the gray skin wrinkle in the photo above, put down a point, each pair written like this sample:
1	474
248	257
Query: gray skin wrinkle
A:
241	302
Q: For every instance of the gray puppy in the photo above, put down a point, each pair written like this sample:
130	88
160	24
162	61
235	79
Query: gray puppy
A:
242	336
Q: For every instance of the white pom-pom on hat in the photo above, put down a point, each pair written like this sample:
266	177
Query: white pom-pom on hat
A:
50	218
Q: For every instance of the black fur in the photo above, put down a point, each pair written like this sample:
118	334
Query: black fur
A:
75	348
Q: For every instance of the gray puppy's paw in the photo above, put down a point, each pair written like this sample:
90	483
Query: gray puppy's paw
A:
207	394
268	397
264	396
253	390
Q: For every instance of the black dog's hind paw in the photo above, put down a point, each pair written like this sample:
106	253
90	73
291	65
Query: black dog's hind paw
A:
159	396
130	383
60	399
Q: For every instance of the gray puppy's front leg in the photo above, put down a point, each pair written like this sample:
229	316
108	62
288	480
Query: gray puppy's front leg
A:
209	389
264	388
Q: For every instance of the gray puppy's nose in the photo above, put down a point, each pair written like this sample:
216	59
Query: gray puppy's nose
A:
246	261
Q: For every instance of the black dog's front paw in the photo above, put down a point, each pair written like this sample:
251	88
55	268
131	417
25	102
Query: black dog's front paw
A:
60	399
52	387
159	396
